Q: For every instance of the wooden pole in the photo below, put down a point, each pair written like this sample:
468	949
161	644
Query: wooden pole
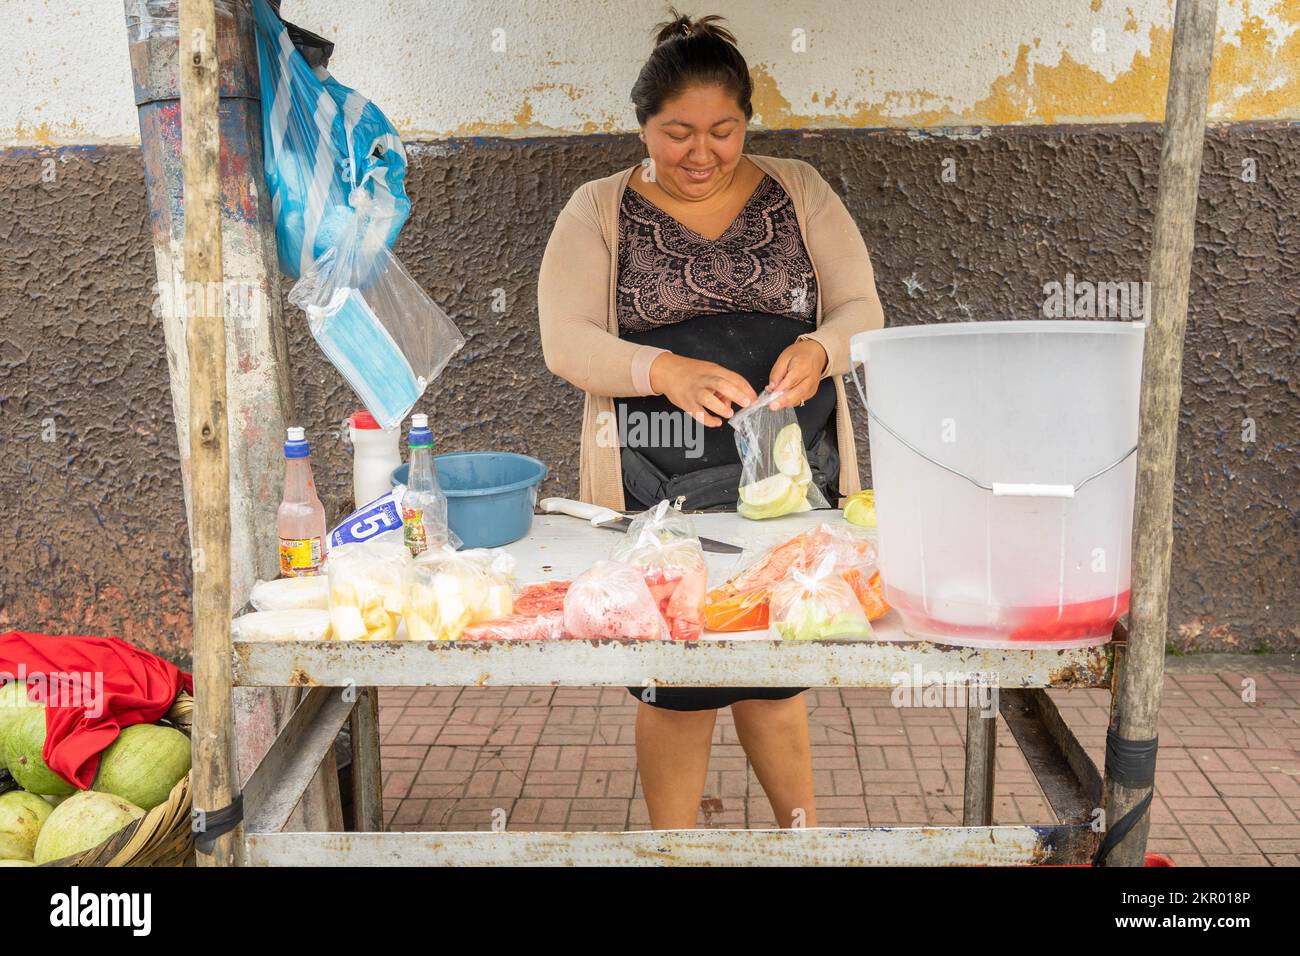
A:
1137	712
259	398
213	778
259	393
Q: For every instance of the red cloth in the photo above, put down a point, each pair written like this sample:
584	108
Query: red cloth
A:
92	687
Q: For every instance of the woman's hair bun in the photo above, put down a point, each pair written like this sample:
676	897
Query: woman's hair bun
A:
682	26
691	52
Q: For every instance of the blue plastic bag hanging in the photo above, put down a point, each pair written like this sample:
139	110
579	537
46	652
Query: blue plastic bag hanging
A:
324	146
335	169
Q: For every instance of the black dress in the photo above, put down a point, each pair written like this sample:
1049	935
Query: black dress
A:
739	300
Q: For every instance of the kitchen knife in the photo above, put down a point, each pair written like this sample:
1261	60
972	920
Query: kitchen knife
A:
614	521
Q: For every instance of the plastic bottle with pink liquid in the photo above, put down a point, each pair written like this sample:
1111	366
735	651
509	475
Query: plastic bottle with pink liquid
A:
300	520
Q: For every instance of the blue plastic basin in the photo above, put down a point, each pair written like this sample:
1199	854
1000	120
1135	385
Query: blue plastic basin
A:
490	494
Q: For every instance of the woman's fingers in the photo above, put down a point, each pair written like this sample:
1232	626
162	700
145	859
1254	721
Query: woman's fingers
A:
787	391
705	390
797	372
800	391
734	388
776	381
713	402
799	385
702	416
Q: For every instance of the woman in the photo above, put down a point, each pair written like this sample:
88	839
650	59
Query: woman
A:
684	286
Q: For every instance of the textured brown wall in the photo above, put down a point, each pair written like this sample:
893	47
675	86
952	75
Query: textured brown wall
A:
94	537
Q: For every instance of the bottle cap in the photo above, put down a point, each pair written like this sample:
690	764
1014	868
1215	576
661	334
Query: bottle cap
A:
419	436
296	446
363	421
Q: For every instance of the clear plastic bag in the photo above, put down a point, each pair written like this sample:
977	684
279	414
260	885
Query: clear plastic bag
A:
548	626
854	557
850	549
447	591
775	476
289	594
366	582
817	605
661	541
742	603
538	616
610	600
541	597
301	624
386	337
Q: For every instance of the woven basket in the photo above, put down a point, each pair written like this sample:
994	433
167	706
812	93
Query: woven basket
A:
162	837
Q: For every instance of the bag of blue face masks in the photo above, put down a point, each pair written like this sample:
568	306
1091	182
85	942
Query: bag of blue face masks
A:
386	337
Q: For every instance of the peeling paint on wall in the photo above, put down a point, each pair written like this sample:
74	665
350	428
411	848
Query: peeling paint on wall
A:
500	68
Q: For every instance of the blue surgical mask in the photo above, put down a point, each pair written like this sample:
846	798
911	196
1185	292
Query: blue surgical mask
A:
353	338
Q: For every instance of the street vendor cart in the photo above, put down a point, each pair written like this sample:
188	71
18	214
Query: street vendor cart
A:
246	824
343	677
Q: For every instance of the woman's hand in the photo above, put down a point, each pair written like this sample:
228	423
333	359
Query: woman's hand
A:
699	388
797	373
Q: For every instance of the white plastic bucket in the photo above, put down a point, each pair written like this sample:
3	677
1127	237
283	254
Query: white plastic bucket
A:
1003	460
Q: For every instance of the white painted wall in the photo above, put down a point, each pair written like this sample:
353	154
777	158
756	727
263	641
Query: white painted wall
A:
444	68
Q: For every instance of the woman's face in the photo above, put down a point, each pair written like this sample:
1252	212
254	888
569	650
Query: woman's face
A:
695	141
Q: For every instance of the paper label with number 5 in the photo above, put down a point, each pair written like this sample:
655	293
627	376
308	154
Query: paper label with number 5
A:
379	516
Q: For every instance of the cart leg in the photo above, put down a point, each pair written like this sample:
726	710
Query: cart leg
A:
367	779
981	747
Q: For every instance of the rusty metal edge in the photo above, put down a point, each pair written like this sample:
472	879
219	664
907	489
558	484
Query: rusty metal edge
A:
872	846
663	663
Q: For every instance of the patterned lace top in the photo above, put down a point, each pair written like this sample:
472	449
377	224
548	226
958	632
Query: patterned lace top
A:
668	272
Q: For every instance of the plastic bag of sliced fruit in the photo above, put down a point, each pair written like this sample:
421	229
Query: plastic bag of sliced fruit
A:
366	595
662	543
743	602
775	476
610	601
817	604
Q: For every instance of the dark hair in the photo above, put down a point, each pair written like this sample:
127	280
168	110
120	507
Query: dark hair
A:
689	52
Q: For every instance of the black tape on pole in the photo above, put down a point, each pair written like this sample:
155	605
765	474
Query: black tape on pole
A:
1131	764
218	822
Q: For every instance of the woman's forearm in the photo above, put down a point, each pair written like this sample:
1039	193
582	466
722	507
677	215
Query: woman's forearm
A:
596	361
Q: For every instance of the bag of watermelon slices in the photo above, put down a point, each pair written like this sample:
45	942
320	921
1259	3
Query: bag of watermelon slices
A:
661	541
609	601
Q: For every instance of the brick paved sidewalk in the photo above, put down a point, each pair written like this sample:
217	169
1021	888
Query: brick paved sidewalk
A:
1227	789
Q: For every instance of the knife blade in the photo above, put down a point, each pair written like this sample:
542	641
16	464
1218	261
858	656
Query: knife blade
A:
612	520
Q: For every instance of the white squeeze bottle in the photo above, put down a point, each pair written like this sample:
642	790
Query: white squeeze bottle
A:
424	506
300	520
376	453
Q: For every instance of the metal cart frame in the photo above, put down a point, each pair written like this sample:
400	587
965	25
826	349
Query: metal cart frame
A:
333	669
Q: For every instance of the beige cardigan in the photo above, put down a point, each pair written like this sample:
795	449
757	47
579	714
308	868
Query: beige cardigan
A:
579	323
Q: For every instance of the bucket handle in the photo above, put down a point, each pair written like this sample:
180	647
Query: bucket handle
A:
998	488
